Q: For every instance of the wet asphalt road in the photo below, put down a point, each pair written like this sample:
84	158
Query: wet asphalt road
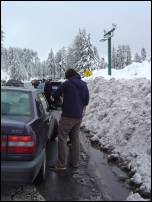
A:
69	185
94	180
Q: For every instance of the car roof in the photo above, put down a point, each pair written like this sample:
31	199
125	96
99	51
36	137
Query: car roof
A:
20	88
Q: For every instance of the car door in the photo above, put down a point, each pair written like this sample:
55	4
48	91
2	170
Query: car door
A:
48	118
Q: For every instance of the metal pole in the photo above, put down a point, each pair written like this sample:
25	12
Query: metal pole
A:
109	56
107	36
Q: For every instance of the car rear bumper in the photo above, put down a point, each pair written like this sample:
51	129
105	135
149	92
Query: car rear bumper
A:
21	171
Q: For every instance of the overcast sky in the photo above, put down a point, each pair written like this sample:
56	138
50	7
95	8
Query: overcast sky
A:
42	25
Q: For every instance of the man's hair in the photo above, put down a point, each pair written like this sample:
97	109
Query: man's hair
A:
70	73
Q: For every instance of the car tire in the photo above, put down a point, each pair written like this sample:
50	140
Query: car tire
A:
42	173
55	130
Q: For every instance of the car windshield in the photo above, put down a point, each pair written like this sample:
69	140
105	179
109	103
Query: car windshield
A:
16	103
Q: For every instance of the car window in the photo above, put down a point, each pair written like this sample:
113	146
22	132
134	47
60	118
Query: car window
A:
43	102
16	103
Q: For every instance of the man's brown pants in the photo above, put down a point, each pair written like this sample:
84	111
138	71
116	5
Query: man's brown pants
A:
68	126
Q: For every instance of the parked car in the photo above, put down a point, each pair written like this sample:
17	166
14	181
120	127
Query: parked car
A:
3	82
13	82
26	127
55	84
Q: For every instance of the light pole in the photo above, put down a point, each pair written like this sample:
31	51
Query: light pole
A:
107	36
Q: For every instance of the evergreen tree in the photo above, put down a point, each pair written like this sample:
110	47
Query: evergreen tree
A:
15	67
122	57
114	58
29	59
128	55
119	58
143	54
61	60
83	51
44	69
24	59
96	52
2	39
102	64
51	65
38	66
137	58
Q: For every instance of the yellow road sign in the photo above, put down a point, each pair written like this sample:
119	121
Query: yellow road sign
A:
87	73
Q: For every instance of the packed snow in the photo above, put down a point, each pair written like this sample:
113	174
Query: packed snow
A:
135	197
119	118
4	75
135	70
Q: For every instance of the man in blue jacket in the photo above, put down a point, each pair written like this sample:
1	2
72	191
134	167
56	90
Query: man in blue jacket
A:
75	98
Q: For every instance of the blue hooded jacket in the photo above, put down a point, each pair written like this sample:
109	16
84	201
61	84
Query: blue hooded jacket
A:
75	96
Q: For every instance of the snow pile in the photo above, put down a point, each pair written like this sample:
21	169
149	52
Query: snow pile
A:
135	70
119	117
4	75
135	197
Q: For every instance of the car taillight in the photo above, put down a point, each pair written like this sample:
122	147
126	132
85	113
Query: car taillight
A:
3	144
21	144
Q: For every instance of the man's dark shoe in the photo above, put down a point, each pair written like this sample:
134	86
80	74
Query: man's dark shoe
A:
57	168
75	166
69	143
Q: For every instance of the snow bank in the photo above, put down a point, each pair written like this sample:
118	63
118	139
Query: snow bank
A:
135	70
135	197
119	116
4	75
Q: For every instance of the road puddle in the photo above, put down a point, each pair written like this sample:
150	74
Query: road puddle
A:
110	179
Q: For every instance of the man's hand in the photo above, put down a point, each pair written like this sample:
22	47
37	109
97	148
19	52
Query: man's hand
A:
51	98
84	109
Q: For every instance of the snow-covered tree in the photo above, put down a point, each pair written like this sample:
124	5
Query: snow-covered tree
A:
15	66
114	58
143	54
62	60
24	59
72	57
102	64
120	63
128	55
29	58
83	52
2	38
137	58
96	52
44	69
38	67
51	65
121	57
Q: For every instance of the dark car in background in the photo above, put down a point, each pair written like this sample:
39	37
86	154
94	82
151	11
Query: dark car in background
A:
55	85
13	82
26	127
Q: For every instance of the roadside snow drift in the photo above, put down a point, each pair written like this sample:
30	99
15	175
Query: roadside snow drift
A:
119	118
135	70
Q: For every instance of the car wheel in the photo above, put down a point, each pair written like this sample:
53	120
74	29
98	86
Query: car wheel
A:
42	173
55	130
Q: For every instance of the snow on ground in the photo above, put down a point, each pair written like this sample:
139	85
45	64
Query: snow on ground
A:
119	115
135	197
135	70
